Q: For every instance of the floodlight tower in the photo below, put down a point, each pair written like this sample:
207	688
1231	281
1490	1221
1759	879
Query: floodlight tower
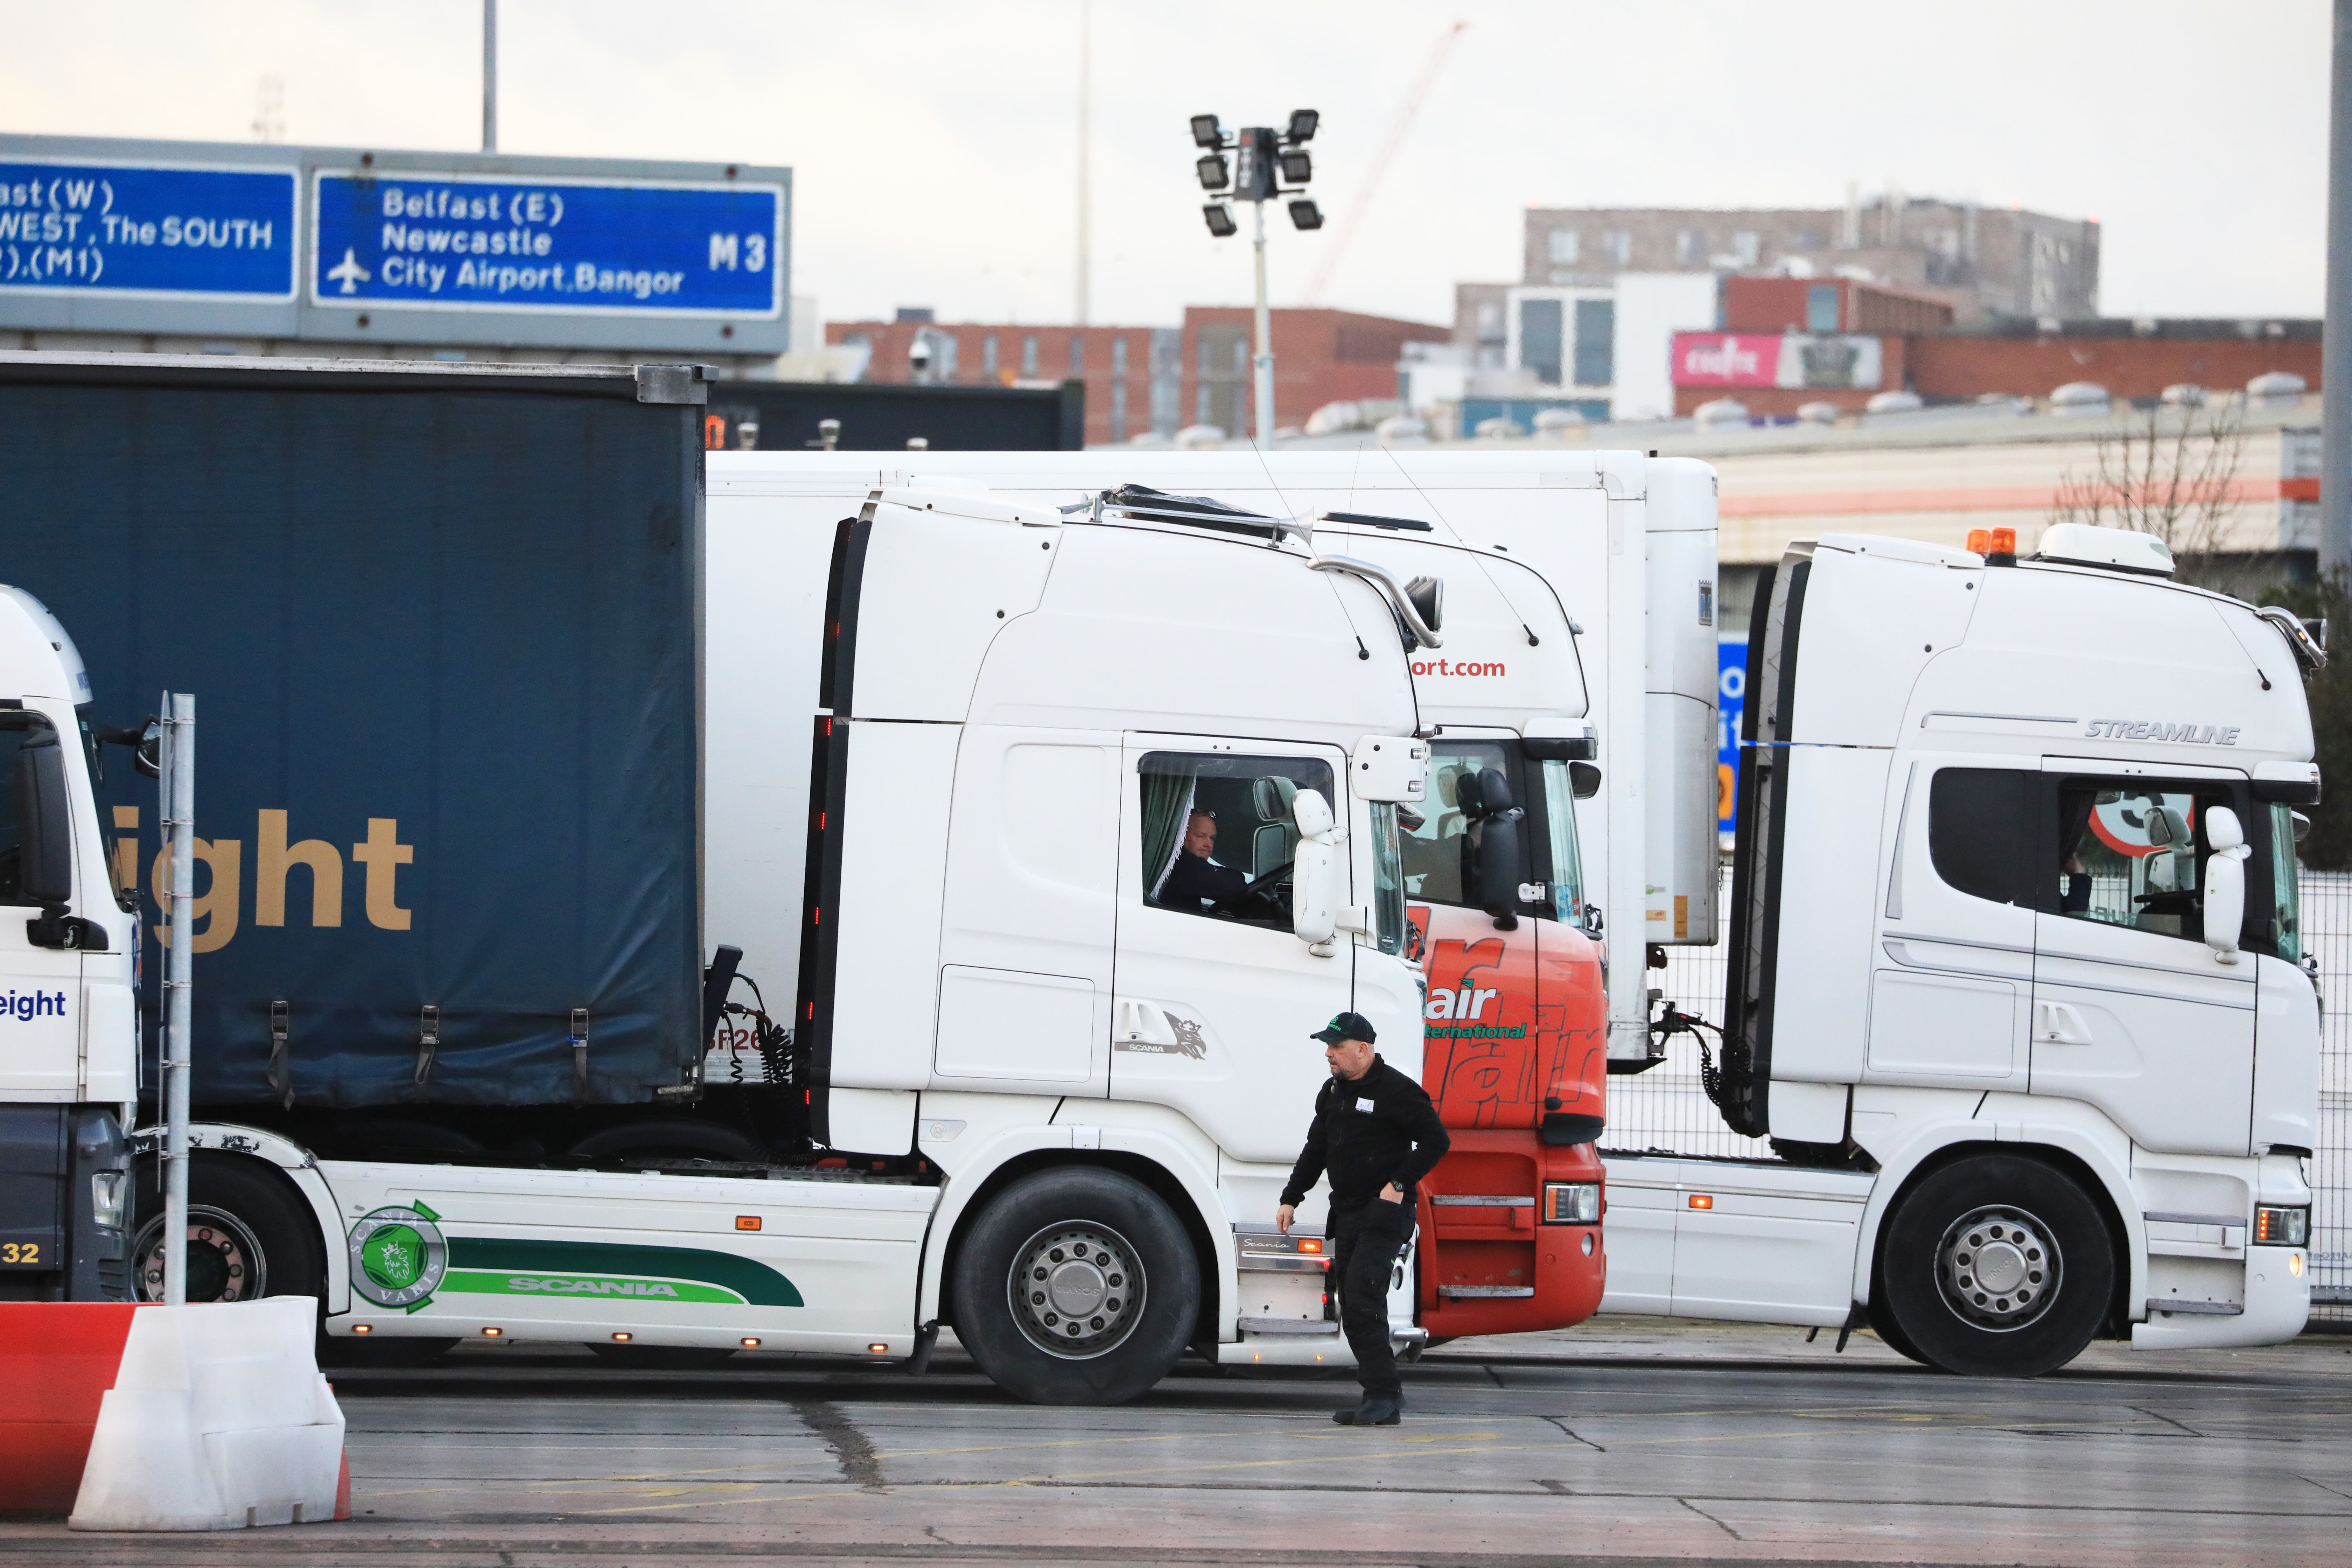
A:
1266	164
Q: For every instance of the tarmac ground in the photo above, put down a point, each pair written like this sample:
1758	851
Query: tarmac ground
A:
1625	1441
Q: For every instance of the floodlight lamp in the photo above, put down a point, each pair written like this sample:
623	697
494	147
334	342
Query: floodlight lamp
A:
1214	170
1206	131
1302	124
1305	213
1220	220
1297	168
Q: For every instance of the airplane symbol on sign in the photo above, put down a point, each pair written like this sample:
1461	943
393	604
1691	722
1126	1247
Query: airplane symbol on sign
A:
349	273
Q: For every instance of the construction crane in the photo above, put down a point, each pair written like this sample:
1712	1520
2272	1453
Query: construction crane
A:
1352	215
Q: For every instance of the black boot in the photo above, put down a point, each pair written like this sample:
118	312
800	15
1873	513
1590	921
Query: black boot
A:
1377	1410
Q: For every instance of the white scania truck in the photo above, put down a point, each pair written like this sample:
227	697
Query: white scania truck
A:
2016	986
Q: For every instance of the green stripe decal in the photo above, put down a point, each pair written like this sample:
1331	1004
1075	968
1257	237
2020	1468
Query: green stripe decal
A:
737	1279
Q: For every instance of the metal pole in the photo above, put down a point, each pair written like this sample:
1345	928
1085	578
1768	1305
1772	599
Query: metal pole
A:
489	76
179	814
1264	362
1085	132
2335	348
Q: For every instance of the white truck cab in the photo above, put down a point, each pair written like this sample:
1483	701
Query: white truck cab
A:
2016	982
69	1012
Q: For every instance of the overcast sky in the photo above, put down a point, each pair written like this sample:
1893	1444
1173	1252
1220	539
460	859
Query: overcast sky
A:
934	144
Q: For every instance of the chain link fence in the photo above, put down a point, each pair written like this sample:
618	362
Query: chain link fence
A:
1666	1110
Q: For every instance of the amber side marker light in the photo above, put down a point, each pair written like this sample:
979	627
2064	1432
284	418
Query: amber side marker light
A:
492	1333
750	1344
1702	1200
878	1350
747	1222
622	1339
1310	1244
363	1328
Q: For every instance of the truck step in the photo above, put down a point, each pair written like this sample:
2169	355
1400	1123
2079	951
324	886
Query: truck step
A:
1286	1326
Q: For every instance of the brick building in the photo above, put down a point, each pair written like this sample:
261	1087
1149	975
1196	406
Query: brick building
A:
2129	358
1320	357
1987	262
1130	373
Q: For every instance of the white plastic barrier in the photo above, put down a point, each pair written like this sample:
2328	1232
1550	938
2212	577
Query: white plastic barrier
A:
217	1420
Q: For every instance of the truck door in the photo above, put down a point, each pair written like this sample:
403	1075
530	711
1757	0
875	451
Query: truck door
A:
41	1012
1952	974
1213	996
2132	1011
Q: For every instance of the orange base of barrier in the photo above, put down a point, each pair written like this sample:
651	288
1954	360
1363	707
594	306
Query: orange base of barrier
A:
57	1358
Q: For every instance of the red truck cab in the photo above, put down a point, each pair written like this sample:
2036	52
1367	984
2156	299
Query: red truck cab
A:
1516	1050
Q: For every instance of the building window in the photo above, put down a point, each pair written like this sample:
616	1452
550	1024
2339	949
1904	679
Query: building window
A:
1690	246
1596	342
988	355
1029	356
1563	246
1118	411
1077	359
1201	405
1539	344
1208	364
1746	247
1821	308
1617	245
1118	356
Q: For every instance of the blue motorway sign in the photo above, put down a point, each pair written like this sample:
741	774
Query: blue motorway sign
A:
440	242
1730	698
147	231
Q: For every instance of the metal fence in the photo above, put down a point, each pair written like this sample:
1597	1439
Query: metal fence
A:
1667	1109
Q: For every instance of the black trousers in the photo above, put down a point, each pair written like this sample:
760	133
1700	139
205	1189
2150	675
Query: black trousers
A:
1365	1241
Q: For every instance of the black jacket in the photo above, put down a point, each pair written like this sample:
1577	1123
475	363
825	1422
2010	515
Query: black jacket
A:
1379	1129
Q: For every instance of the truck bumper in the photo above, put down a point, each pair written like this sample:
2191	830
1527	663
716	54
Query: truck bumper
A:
2278	1301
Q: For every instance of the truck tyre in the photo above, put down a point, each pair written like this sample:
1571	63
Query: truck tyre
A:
1889	1333
1997	1266
251	1234
1076	1287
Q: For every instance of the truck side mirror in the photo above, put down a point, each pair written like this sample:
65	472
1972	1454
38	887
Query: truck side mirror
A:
1315	872
1584	780
44	822
1495	858
2225	882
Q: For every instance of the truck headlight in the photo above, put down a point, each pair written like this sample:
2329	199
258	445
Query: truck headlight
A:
1571	1203
106	1190
2281	1227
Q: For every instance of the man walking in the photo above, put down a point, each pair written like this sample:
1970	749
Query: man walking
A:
1377	1134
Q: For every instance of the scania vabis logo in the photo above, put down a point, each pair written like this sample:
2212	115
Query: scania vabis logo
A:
398	1255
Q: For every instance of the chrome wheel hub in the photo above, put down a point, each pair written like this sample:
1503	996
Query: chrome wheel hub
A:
224	1261
1076	1290
1998	1268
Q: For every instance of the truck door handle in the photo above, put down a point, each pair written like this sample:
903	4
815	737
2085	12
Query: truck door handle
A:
2059	1024
1143	1023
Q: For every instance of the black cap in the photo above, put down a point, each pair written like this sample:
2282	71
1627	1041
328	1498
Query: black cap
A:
1344	1027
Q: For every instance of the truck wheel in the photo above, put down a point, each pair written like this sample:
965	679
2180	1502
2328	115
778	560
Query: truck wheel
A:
1076	1287
250	1235
1997	1266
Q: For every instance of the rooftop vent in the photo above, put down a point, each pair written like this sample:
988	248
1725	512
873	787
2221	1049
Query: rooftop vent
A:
2275	389
2117	548
2079	398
